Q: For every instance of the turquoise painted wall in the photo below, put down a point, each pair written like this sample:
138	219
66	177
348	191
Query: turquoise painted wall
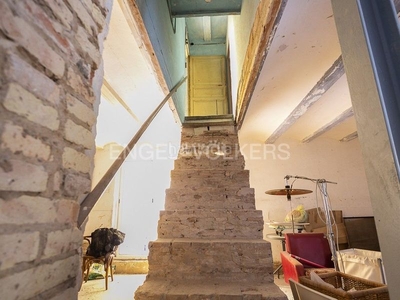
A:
199	50
168	46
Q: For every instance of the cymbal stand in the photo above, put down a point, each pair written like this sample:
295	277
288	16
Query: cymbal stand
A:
328	218
289	198
322	185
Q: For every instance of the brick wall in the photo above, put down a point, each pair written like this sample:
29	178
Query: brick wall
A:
50	78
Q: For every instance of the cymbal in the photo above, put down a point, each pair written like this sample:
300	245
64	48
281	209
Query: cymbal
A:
284	192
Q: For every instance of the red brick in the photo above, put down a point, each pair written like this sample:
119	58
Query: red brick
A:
21	176
25	248
31	79
76	185
84	16
80	110
67	211
61	11
86	46
51	28
23	33
27	210
29	283
25	104
75	81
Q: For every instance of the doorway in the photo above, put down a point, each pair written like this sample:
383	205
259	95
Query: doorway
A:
207	86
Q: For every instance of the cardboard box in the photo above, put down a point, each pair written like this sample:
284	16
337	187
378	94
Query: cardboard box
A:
316	218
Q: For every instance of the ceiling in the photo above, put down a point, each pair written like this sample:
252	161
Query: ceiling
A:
206	23
301	92
188	8
206	35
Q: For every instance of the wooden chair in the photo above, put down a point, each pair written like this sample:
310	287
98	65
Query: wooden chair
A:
105	260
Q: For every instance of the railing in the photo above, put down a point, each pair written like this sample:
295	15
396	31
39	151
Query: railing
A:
91	199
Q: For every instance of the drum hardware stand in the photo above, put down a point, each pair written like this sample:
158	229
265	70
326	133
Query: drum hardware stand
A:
322	185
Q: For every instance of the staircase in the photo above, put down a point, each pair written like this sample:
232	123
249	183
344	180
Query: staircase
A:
210	236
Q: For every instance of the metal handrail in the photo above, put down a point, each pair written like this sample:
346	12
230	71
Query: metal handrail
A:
91	199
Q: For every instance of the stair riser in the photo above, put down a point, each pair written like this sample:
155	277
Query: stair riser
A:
214	163
209	178
236	262
211	144
182	184
207	136
208	291
218	173
215	224
209	198
205	131
149	295
197	146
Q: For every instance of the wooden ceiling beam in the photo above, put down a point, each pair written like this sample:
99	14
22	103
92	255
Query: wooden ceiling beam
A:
111	95
323	85
207	28
350	137
266	21
328	126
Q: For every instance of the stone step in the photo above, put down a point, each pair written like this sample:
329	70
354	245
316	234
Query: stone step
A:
211	223
210	140
206	161
207	121
210	178
210	237
206	131
208	290
209	147
208	143
209	197
220	260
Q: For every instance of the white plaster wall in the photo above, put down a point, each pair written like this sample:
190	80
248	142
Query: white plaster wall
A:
322	158
102	213
141	182
384	184
145	177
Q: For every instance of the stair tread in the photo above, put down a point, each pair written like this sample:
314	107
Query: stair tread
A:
208	240
201	121
210	288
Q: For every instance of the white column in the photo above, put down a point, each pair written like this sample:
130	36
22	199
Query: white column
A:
383	181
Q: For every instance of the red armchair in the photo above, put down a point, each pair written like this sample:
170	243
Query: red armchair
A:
305	250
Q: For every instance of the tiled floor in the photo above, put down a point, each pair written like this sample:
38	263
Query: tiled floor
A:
124	286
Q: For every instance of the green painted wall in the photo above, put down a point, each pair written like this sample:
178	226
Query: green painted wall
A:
188	8
168	46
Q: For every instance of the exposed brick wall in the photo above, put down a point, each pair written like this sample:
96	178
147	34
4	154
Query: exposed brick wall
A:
50	77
